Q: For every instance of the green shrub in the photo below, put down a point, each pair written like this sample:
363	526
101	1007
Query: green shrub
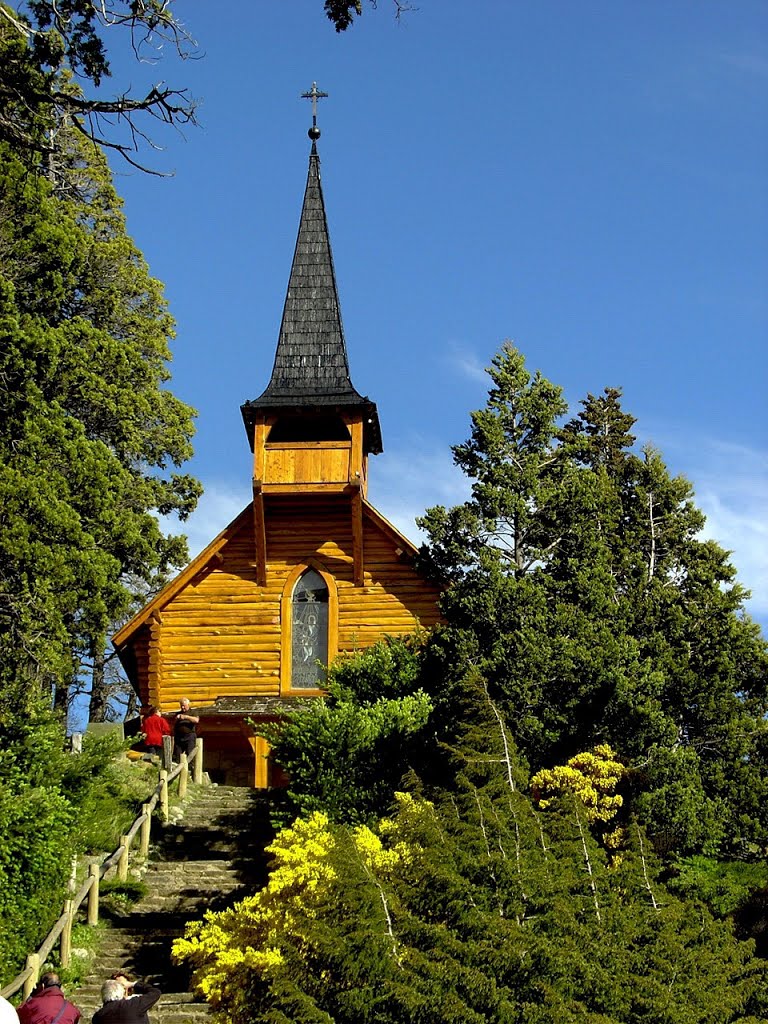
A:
723	885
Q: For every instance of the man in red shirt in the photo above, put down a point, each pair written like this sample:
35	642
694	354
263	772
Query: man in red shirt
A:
48	1005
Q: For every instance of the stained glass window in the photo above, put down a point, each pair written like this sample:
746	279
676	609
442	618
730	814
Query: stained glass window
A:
309	652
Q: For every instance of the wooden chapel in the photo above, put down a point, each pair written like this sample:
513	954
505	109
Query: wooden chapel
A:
309	569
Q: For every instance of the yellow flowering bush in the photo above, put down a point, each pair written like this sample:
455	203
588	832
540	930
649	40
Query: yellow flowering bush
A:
591	776
302	877
246	934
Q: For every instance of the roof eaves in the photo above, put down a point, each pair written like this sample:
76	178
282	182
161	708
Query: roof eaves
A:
172	588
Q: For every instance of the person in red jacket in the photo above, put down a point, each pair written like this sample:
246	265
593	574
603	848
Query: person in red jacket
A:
48	1005
154	727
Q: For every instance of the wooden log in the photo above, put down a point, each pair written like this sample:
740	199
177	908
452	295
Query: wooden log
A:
65	950
164	793
93	895
33	966
198	767
146	827
122	864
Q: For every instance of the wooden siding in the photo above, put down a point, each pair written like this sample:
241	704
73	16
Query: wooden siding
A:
308	462
221	634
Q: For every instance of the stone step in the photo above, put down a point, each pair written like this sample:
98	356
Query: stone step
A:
180	1005
190	882
203	864
201	859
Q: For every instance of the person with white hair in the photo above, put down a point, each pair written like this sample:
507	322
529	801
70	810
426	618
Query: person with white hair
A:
125	1002
184	735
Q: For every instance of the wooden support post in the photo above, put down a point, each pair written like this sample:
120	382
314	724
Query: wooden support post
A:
261	754
260	749
183	776
66	935
146	827
197	776
167	755
358	572
33	965
260	534
72	883
122	864
93	895
164	793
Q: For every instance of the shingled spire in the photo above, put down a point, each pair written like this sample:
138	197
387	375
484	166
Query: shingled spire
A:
311	369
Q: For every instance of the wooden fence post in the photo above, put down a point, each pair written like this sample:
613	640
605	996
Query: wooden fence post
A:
93	895
166	758
197	777
33	964
122	864
146	826
66	935
183	777
164	793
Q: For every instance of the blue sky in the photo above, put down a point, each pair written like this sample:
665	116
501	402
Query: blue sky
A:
587	179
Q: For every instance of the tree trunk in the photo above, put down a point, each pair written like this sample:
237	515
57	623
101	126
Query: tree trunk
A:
97	709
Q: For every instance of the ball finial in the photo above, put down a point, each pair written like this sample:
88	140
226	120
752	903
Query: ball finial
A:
314	94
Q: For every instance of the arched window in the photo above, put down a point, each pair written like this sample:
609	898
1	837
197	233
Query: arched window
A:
309	631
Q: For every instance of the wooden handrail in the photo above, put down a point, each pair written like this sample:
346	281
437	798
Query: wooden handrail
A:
18	982
27	979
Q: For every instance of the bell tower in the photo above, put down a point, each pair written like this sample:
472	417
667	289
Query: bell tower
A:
310	431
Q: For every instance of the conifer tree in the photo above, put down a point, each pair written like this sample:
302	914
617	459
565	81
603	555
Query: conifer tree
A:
90	437
467	904
580	587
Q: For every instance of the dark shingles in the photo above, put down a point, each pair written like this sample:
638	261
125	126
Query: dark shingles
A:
311	368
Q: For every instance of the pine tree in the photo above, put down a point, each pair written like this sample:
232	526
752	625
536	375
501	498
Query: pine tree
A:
467	904
88	431
580	588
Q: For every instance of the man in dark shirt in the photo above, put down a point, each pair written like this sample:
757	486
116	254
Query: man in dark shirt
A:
184	735
125	1002
48	1004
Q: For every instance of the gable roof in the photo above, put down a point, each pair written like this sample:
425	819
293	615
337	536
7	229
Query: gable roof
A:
199	563
170	590
311	369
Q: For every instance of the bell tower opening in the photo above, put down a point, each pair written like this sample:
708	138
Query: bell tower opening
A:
308	428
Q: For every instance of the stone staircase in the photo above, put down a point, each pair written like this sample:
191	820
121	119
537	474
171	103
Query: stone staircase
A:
206	860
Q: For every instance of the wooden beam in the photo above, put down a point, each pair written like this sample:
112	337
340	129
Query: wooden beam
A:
259	534
318	487
356	506
260	749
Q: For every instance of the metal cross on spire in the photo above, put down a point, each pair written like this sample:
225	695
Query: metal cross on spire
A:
314	94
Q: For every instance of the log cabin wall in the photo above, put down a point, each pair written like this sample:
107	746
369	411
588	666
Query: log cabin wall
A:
221	635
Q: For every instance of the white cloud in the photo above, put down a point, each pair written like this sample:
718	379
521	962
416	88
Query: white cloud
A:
406	483
218	506
467	364
731	483
751	63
